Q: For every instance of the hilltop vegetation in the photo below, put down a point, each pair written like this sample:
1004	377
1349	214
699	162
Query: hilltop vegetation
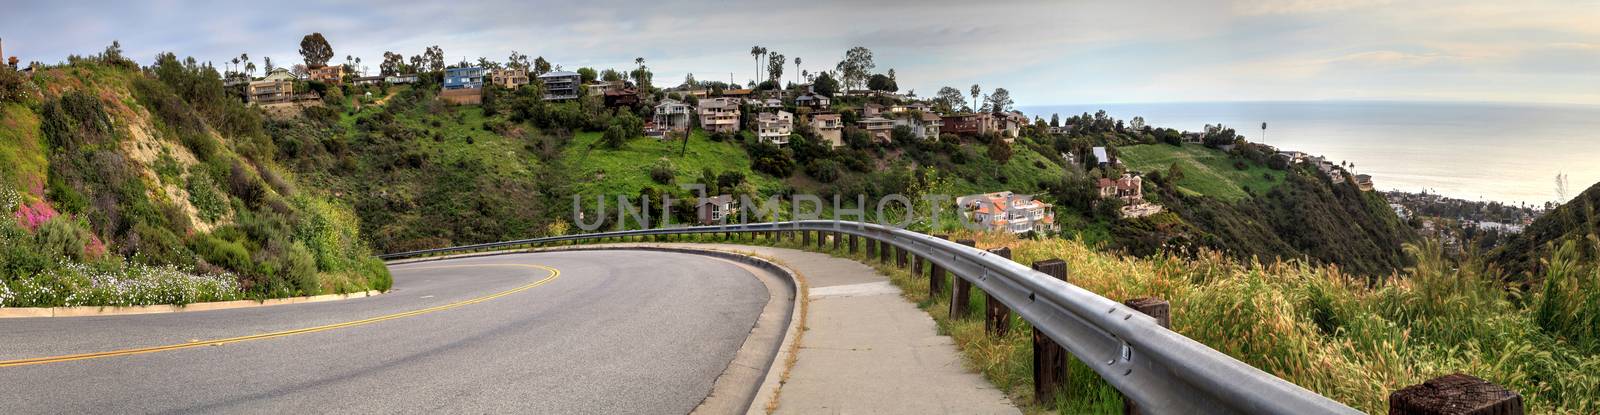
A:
141	186
1205	172
1522	256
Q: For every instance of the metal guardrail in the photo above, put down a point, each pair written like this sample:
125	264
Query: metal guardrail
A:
1160	370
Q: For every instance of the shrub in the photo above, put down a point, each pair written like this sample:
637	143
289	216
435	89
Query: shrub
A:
826	171
663	172
205	197
62	236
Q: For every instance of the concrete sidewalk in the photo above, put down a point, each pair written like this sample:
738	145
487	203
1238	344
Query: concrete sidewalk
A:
868	350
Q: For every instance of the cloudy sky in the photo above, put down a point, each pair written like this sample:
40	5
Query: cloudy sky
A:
1048	52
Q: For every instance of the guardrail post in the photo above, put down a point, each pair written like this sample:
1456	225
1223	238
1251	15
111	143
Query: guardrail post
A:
916	266
872	248
835	236
821	237
997	318
900	257
961	289
1049	359
884	250
805	238
935	275
1153	307
1455	394
853	242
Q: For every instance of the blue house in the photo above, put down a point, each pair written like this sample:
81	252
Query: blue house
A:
463	78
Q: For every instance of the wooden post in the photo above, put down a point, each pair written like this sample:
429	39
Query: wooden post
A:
805	238
1153	307
960	290
900	258
853	242
1049	359
836	237
916	266
884	250
872	248
1455	394
821	236
997	318
936	275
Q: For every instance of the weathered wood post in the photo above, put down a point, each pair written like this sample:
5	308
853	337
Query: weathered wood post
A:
961	289
996	317
1049	359
836	236
1455	394
936	275
916	266
872	248
805	238
900	257
822	236
1153	307
853	242
884	251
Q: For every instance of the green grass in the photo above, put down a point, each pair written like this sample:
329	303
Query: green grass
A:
1206	171
22	157
609	172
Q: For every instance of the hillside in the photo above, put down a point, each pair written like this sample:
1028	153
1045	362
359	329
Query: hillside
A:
1205	171
1573	221
132	186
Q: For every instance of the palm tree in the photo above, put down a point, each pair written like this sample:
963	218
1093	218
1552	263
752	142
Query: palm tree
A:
755	52
797	70
975	91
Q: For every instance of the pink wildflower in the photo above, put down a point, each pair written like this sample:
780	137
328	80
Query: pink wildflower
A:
32	215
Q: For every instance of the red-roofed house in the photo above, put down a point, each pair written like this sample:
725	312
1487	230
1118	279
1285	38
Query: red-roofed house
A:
1006	211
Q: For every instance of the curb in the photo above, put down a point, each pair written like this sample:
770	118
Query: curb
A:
91	311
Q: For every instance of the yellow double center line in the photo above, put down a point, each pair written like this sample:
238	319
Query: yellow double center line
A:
217	342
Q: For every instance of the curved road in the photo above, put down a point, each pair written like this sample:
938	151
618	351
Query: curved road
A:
611	332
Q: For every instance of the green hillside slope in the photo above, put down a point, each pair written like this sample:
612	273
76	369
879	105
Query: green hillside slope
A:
132	186
1573	221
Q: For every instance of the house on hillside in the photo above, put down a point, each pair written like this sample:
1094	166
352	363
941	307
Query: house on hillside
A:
737	93
814	101
621	97
462	86
401	79
1190	137
1008	212
280	74
969	125
871	110
720	114
1103	157
829	127
774	127
714	210
1130	189
560	85
369	80
330	74
1364	182
924	125
508	77
1293	156
270	91
1010	125
881	129
673	115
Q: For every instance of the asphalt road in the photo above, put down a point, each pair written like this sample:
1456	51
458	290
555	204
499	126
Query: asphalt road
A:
613	332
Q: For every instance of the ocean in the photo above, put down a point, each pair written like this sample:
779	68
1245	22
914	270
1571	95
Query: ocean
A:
1475	151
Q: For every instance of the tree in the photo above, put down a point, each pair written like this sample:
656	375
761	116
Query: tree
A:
1137	123
755	53
1000	100
517	61
688	81
540	66
392	64
856	66
882	82
797	69
999	149
587	75
1055	120
434	57
825	85
416	63
611	75
949	100
316	50
975	92
1561	187
775	63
